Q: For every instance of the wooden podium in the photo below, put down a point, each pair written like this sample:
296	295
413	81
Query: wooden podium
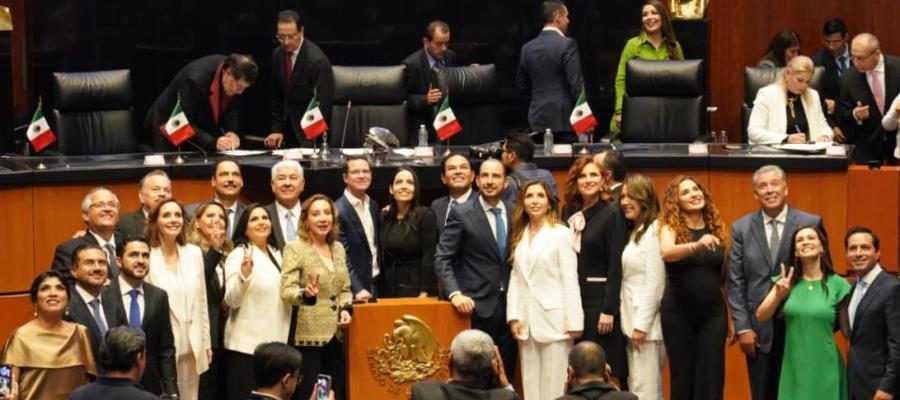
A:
395	342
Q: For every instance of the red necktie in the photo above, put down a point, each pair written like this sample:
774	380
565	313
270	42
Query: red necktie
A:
288	66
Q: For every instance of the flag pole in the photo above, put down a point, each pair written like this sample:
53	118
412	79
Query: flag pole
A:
178	159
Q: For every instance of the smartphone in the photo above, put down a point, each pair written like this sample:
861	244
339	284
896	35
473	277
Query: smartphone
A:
5	380
323	386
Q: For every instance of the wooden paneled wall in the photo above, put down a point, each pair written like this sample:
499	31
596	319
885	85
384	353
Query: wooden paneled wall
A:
741	30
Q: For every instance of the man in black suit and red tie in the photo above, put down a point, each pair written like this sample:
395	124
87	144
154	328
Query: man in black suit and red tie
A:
300	71
423	92
866	94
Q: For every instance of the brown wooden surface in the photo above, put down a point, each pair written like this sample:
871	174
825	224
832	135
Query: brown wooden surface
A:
873	200
16	239
367	332
17	310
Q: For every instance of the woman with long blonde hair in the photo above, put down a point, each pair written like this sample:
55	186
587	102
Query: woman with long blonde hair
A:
694	317
543	305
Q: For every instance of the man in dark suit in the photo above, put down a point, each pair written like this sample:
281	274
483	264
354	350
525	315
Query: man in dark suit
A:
146	307
550	69
835	58
226	182
421	84
873	362
276	369
612	169
287	185
588	377
760	243
867	91
91	303
300	71
358	217
207	89
100	211
476	373
470	260
123	357
457	175
153	189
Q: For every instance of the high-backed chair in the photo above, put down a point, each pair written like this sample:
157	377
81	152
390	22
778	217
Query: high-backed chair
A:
93	112
378	96
664	101
474	93
756	78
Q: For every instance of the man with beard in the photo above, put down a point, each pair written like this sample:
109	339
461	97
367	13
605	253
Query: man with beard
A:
226	182
287	185
153	189
100	211
91	304
147	308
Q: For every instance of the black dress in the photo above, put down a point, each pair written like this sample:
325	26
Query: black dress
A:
600	280
407	254
694	325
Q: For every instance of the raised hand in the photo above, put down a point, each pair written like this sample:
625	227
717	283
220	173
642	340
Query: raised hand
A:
312	287
783	285
247	262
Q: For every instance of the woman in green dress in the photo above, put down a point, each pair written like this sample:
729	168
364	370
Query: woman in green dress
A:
809	295
655	42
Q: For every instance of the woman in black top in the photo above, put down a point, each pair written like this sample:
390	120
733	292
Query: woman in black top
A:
694	317
408	240
600	235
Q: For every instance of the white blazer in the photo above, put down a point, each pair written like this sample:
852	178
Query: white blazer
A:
643	281
768	120
187	300
258	315
890	121
544	295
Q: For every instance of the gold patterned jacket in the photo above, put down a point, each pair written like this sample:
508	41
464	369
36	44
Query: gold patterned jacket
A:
316	323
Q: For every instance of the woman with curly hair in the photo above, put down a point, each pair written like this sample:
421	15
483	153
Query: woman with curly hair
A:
694	317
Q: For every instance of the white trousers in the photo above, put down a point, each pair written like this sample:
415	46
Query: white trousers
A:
187	380
544	368
645	369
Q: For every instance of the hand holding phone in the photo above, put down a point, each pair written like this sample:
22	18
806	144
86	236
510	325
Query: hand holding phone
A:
323	387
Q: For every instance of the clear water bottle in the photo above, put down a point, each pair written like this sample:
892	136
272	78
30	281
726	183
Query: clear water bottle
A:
548	141
423	136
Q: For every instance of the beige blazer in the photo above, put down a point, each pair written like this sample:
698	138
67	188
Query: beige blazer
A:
643	282
544	295
187	300
768	120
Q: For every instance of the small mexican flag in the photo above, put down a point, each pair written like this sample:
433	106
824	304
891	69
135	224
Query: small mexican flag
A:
313	122
445	122
39	132
582	119
177	129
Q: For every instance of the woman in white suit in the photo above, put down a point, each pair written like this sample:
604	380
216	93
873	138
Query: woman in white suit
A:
177	267
253	293
544	302
789	111
643	281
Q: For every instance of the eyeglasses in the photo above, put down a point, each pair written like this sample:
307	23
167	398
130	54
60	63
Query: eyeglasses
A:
105	204
862	58
282	38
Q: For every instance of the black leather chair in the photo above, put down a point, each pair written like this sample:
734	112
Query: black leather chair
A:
756	78
93	112
378	96
474	94
665	102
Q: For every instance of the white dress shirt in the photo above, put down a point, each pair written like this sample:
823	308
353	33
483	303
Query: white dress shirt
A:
282	215
878	73
102	242
859	294
87	297
554	29
361	206
126	298
490	216
781	218
459	200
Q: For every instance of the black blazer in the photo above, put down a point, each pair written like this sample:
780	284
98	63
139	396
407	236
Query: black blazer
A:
62	257
871	140
79	312
467	258
439	206
112	389
192	84
311	74
353	237
550	70
132	224
436	390
419	76
159	376
600	260
830	86
873	361
215	293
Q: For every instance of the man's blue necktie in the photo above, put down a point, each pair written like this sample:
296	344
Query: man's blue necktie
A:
134	314
98	316
500	231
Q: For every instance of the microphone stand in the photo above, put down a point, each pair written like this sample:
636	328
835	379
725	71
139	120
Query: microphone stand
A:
205	158
346	121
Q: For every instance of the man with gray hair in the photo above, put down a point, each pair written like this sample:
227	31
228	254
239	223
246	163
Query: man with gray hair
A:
152	190
123	358
287	185
867	90
100	211
760	243
589	377
476	372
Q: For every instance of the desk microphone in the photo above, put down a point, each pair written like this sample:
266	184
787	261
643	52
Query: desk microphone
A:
205	159
346	120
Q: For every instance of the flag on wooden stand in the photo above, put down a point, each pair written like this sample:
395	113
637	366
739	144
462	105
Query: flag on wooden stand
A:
177	129
39	132
445	122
